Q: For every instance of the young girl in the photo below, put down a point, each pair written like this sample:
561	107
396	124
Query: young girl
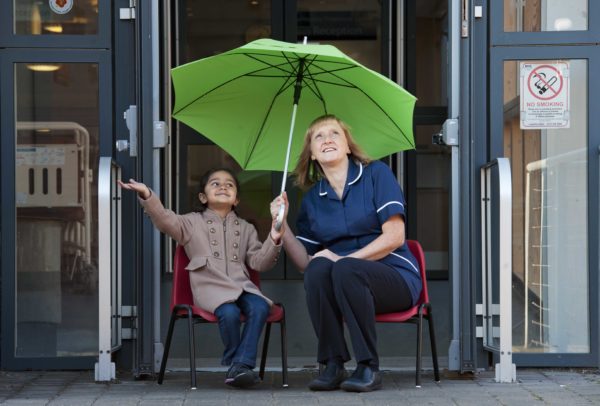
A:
219	245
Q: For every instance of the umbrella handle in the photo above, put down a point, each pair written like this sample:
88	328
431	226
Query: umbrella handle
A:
279	219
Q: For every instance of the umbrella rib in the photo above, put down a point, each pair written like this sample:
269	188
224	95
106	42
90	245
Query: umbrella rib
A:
270	65
317	92
286	56
284	86
223	84
350	84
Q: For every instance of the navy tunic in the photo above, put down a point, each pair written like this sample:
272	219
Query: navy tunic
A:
371	196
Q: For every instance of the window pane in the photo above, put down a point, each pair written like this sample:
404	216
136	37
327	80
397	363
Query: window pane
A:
431	64
548	15
353	26
56	17
56	200
549	186
211	28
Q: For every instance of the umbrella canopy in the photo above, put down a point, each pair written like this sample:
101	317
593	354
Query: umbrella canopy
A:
243	100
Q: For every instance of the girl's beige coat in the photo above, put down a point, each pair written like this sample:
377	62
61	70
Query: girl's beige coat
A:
218	250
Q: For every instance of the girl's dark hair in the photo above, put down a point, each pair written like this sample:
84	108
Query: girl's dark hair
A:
204	181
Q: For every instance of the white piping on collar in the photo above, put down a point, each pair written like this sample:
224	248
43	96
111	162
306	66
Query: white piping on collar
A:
359	174
321	188
360	171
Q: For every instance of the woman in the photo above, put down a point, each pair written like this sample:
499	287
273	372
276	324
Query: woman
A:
351	248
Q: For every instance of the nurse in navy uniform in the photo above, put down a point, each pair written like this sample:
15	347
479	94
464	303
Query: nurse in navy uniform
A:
350	244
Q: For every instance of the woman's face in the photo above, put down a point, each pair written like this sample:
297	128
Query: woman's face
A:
328	144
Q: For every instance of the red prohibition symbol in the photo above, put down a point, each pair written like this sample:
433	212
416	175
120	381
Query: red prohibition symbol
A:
545	82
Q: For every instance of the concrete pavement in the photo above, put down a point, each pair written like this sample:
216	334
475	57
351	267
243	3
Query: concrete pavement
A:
535	387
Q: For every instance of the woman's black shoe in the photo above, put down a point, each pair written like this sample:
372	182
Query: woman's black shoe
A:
364	379
330	379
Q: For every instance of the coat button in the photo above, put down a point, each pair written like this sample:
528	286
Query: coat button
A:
212	230
235	245
216	254
214	242
236	232
235	257
237	223
209	222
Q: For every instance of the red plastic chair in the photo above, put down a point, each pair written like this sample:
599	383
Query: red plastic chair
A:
416	314
182	307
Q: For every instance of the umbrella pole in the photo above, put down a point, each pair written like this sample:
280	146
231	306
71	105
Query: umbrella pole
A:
289	147
281	212
297	91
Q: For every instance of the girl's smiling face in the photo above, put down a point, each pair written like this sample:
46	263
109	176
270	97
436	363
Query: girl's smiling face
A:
328	143
220	191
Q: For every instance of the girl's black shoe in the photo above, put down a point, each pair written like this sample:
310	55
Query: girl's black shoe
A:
241	376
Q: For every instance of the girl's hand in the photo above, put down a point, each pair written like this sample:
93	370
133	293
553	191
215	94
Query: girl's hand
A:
276	235
138	187
328	254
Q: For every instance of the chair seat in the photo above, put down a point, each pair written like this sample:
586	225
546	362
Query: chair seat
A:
275	315
399	317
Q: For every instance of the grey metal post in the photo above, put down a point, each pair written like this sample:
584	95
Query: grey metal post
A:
454	358
158	129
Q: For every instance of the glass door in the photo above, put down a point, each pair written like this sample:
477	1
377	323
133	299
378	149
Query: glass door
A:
540	119
56	121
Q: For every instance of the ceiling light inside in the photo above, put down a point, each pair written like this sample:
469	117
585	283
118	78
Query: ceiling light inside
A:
56	28
42	67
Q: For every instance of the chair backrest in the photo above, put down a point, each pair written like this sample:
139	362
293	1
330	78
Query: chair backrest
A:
181	292
417	251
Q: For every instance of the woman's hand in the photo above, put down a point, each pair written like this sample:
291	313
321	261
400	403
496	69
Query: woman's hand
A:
332	256
276	205
138	187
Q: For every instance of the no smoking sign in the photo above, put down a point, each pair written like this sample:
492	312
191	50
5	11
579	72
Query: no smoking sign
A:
544	95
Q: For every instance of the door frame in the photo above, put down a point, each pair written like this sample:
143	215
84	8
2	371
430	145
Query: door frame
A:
496	81
8	58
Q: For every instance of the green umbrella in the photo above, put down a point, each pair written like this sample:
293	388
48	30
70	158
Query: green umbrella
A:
247	99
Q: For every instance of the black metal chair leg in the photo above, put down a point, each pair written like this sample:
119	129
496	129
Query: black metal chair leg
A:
163	363
419	350
284	365
263	358
436	370
192	344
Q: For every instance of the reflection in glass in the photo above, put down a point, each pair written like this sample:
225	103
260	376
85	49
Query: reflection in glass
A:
56	17
549	15
353	27
211	29
57	249
431	53
550	251
432	203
